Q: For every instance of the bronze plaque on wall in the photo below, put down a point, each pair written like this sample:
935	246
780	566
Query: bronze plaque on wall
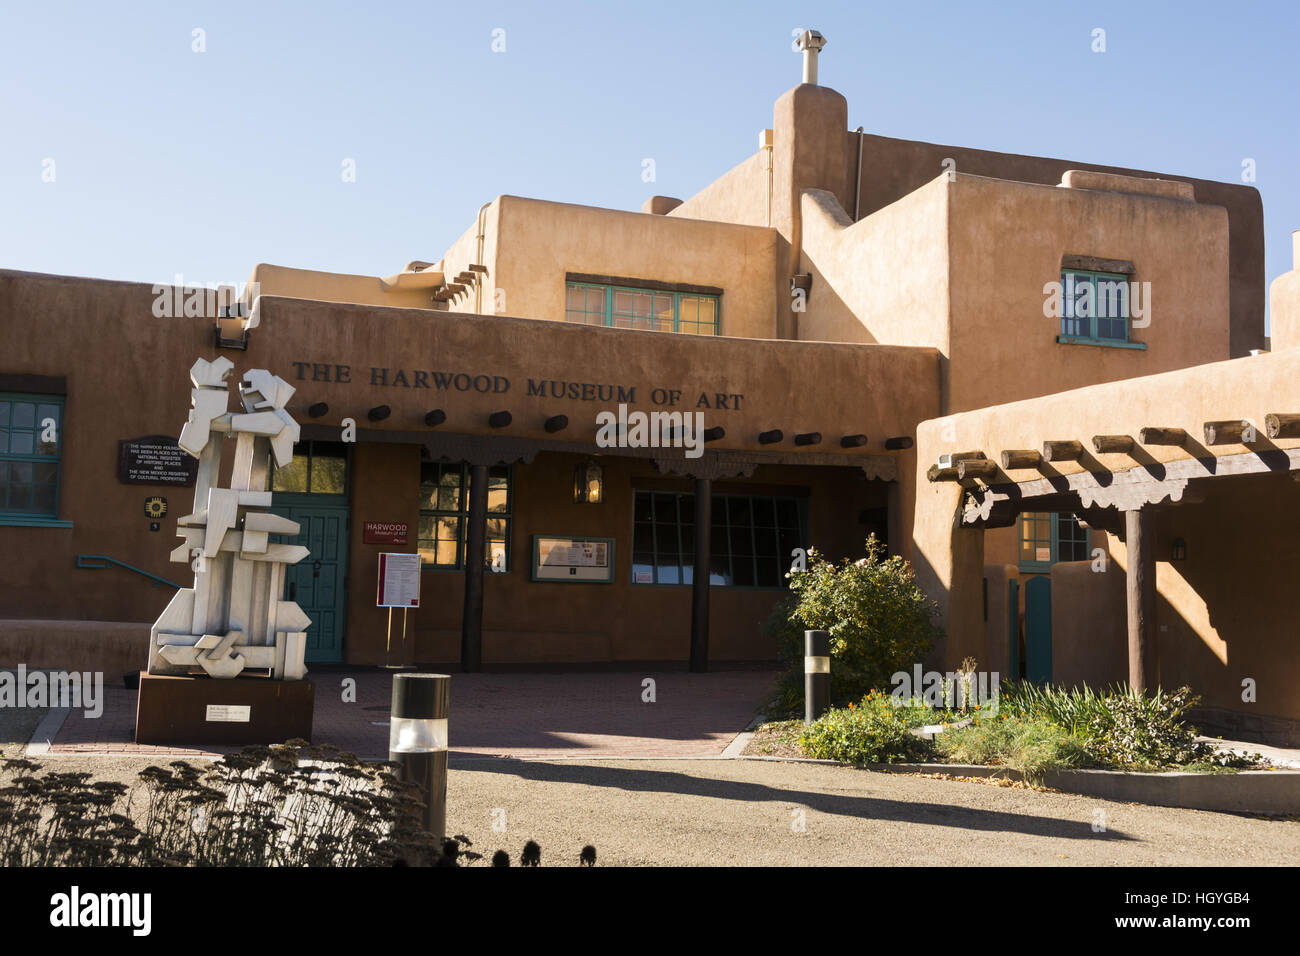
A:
154	460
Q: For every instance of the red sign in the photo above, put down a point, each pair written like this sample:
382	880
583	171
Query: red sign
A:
384	532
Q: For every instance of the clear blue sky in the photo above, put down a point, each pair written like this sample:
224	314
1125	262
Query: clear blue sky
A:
168	161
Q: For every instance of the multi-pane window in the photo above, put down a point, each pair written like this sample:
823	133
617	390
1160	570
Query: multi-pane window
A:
621	307
1094	305
317	468
31	433
1048	537
444	515
751	537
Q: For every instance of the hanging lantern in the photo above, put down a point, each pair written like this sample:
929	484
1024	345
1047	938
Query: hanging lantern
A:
1179	550
589	484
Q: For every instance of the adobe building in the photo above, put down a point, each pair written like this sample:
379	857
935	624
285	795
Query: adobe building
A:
869	328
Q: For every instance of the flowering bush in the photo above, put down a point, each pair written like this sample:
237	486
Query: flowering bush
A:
875	732
879	620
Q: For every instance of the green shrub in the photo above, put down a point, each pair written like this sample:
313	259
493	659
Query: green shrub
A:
1073	709
1121	728
876	732
880	622
1151	731
1031	746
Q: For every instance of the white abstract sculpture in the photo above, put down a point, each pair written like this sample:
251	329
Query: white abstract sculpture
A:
233	617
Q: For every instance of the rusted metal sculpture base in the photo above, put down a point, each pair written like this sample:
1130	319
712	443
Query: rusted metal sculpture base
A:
187	711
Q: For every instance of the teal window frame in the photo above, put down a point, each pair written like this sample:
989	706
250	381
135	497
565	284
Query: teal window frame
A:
10	427
460	514
608	315
1058	543
309	451
1086	329
671	539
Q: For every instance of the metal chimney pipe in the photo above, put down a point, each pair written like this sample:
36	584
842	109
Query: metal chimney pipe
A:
811	43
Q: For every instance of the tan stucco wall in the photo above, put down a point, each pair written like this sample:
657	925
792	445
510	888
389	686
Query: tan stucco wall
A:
892	168
540	242
526	621
336	287
739	195
882	279
127	376
1006	241
465	251
1284	303
1252	530
1089	624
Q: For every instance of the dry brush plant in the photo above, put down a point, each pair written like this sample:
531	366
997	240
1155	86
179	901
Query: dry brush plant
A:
286	805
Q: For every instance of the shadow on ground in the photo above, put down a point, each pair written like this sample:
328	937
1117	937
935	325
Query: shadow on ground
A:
677	783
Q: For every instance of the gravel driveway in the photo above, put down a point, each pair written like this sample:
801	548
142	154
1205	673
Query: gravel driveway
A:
742	812
745	813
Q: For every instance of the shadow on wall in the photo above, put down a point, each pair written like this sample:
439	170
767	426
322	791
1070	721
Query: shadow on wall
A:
1222	610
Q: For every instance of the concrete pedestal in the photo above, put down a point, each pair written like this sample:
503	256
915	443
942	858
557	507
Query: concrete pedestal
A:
187	711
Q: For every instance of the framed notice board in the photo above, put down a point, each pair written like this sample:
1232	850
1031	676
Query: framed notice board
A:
399	580
585	560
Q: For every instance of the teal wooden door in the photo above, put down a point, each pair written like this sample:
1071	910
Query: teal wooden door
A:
1013	625
1038	629
317	582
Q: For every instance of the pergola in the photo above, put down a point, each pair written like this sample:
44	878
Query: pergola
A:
1118	500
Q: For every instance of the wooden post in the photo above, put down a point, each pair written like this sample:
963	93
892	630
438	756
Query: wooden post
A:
1141	578
471	625
700	576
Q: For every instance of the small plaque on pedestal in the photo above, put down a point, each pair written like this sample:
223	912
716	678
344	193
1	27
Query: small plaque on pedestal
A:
191	711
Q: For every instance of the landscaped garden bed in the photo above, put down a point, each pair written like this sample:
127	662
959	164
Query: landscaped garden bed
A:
880	626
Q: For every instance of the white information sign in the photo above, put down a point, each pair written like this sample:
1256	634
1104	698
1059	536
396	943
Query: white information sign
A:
573	559
230	713
399	580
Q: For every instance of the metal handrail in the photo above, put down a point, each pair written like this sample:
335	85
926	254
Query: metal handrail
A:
87	561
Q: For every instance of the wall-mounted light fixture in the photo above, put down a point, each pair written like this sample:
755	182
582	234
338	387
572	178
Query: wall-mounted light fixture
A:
1179	550
588	484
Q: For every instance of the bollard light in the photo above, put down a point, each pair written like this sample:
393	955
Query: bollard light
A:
816	674
417	741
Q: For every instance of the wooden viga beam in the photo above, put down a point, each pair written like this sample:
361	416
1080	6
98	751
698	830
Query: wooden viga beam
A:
1153	435
1112	444
1062	450
976	468
946	469
1020	458
1229	433
1279	425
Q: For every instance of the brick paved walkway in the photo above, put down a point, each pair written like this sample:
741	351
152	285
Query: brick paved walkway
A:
519	715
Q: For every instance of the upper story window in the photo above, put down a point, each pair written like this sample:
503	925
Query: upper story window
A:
1048	537
1094	306
652	310
31	432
